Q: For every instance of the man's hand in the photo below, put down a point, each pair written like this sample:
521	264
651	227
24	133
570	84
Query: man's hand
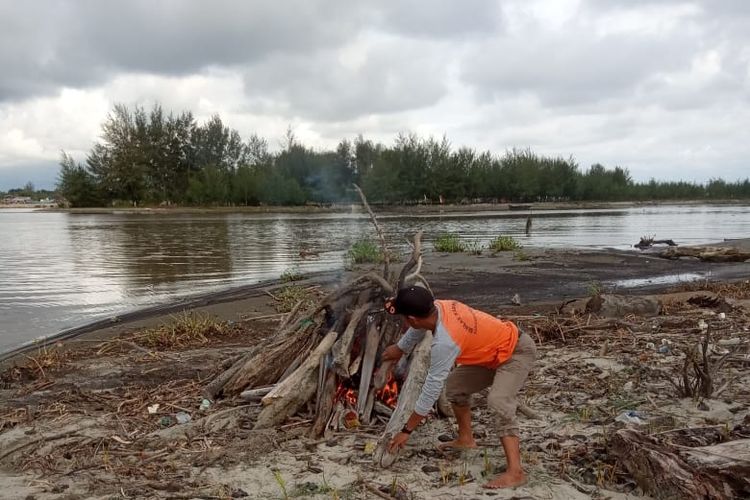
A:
392	353
398	442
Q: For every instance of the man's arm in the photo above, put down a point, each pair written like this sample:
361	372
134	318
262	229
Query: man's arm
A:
443	355
410	339
442	358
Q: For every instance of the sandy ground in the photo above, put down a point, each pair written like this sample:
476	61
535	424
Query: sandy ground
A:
74	421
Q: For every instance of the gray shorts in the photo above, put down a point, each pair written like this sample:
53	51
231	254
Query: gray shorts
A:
506	381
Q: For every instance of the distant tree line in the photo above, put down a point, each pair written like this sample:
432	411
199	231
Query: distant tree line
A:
150	157
29	191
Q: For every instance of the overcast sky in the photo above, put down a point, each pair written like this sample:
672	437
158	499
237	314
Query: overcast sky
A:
659	87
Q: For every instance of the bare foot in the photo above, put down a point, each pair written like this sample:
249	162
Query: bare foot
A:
507	480
458	444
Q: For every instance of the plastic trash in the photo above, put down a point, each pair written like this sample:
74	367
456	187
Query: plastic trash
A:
632	417
153	408
722	315
205	404
183	418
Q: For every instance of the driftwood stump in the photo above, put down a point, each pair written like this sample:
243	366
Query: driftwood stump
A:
407	398
706	254
672	472
619	306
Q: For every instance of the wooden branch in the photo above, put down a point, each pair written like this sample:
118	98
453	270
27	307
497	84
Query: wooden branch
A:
256	394
383	409
342	349
324	406
381	376
289	317
379	230
416	253
372	342
407	398
416	272
289	396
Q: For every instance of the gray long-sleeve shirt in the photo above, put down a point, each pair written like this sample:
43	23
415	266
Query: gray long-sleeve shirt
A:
443	354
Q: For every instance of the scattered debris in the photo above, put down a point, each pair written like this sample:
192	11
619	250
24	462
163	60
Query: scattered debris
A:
649	241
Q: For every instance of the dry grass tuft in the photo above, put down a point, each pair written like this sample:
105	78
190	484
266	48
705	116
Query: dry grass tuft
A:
38	366
732	290
185	330
289	296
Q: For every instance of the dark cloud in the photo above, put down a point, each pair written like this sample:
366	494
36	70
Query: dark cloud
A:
386	77
44	45
48	44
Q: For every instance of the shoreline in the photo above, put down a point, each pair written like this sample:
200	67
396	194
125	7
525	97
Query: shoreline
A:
548	277
150	316
356	207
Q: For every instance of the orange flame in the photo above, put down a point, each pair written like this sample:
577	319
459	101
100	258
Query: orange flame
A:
347	395
389	393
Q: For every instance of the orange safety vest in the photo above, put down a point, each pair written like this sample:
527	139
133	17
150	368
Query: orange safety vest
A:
483	339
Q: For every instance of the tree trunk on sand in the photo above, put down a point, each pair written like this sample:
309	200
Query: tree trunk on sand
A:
407	399
619	306
668	471
706	254
296	390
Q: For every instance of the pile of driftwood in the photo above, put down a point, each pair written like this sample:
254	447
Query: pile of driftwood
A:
325	358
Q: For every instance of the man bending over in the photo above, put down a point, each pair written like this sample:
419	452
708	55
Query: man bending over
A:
486	352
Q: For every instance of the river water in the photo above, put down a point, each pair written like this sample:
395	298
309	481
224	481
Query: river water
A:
61	270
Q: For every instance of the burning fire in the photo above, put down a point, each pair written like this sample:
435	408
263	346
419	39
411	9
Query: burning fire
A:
348	395
389	393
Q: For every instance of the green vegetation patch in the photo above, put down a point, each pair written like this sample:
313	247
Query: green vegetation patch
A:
449	242
364	252
504	244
